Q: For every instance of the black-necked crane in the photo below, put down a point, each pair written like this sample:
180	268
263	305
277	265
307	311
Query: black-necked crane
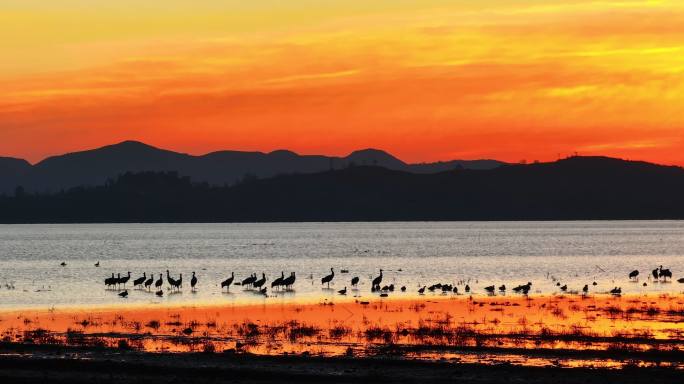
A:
158	283
665	274
125	279
376	282
278	282
110	281
249	281
179	282
260	283
403	288
342	291
455	290
171	280
124	293
149	281
634	274
354	281
193	281
227	282
289	281
139	280
328	279
422	290
655	273
585	289
467	288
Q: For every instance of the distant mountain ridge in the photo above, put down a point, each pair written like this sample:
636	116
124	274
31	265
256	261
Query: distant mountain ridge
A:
577	188
96	166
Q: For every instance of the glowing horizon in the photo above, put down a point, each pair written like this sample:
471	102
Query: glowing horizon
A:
425	80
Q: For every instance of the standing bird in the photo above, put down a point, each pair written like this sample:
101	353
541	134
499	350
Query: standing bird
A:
502	288
655	273
97	264
227	282
665	273
490	289
422	290
125	279
124	293
354	281
170	279
193	281
278	282
179	282
139	280
585	289
467	288
289	281
564	288
110	281
342	291
249	281
148	282
158	283
377	281
634	274
328	279
260	283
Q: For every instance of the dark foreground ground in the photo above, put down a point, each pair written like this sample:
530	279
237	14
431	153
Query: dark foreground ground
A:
47	364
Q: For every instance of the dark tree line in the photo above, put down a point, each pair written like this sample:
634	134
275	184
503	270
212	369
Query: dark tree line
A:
575	188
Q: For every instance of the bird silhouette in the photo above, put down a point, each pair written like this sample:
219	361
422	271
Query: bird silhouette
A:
564	288
502	288
125	279
123	294
342	291
110	281
193	281
159	282
376	282
248	281
354	281
633	274
490	289
171	280
139	280
328	279
421	290
289	281
63	264
467	288
227	282
585	289
259	283
278	282
159	293
97	264
149	281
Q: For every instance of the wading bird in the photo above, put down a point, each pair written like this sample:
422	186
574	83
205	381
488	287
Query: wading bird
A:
227	282
260	283
125	279
278	282
421	290
289	281
634	274
148	282
328	279
123	294
342	291
193	281
139	280
354	281
377	281
158	283
490	289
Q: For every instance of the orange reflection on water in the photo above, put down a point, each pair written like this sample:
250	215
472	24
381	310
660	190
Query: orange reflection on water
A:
557	330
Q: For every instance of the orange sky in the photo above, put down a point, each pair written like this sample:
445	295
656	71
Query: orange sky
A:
423	79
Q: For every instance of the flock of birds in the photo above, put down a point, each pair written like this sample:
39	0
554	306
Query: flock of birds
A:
258	284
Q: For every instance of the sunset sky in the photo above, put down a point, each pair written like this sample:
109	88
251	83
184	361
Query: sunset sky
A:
422	79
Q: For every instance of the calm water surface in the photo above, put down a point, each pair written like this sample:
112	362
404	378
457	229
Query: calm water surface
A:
412	254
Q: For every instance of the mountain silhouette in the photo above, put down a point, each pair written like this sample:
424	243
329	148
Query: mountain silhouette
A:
95	167
576	188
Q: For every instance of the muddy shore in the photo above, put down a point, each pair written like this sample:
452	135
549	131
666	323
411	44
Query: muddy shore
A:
57	364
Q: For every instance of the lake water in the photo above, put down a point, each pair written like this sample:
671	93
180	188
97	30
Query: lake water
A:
412	254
